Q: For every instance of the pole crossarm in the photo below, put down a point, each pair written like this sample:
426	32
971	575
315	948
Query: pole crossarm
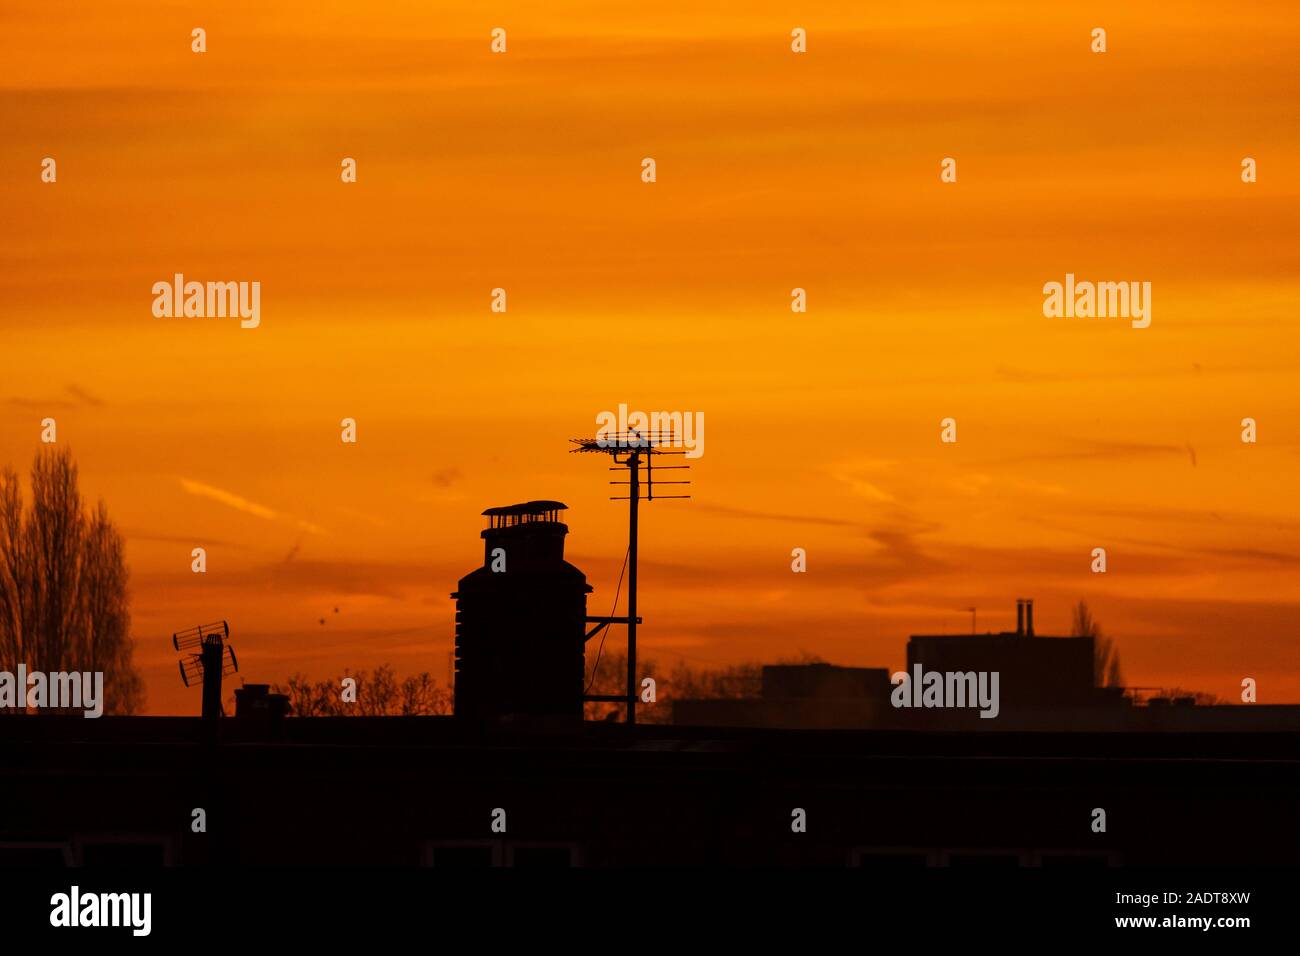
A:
604	622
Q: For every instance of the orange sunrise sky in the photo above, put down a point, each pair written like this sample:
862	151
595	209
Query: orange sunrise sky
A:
774	171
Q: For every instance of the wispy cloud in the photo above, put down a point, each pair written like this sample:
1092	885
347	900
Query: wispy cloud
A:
133	535
232	500
852	474
76	396
1085	450
756	515
446	477
83	396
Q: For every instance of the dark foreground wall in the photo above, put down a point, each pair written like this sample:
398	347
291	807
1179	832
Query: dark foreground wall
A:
411	791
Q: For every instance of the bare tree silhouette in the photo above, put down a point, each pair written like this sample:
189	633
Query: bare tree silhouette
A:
64	603
379	694
1105	655
682	682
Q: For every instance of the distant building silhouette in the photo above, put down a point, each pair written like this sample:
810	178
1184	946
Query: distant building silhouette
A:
1035	671
520	622
1044	684
820	680
806	696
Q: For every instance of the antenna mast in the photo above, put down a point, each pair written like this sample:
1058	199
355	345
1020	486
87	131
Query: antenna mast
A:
633	450
215	658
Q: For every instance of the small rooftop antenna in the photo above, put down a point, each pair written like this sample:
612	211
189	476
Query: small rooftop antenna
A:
207	659
633	450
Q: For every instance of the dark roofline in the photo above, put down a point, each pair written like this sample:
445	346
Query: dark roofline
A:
1005	634
45	733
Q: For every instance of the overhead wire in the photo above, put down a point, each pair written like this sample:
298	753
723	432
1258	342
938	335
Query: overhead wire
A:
618	590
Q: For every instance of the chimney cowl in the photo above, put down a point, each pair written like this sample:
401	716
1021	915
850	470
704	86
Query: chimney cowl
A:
530	533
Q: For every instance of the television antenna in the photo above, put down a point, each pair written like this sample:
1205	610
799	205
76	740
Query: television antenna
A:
635	450
207	659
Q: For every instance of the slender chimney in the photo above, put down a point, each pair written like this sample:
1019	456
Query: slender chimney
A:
1020	616
1029	617
212	660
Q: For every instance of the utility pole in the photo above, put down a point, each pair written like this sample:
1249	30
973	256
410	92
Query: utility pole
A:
631	450
634	499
